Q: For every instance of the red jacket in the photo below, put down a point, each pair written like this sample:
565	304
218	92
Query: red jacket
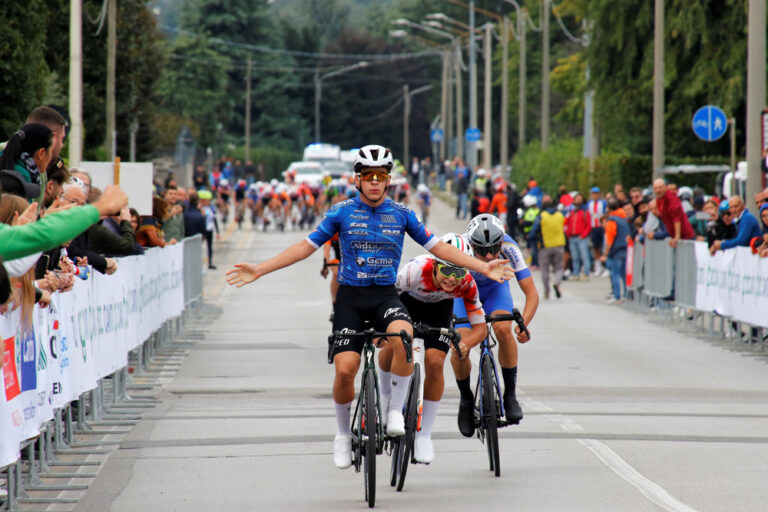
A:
672	211
577	224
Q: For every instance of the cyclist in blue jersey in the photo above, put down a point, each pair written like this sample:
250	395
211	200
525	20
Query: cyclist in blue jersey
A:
485	233
371	229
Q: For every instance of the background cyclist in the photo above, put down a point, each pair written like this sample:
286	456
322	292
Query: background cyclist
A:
427	287
489	242
371	229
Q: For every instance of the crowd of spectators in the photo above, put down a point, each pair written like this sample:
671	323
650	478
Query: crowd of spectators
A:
575	238
55	227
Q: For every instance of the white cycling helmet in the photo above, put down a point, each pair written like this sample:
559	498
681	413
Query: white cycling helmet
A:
458	242
485	231
529	200
422	189
224	182
373	156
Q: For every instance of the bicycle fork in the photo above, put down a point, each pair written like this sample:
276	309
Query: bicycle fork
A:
418	359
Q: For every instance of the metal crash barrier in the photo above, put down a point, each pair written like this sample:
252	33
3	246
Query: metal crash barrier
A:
71	377
726	292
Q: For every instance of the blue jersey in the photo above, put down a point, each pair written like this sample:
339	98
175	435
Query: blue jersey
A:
370	239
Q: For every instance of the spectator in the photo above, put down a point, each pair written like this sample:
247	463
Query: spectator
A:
615	251
672	215
550	225
200	177
529	218
653	228
635	197
84	177
150	232
211	223
414	171
596	207
535	191
55	122
113	236
764	221
173	227
746	224
57	175
80	245
499	203
514	203
700	218
462	179
28	152
12	182
577	229
134	219
194	221
723	227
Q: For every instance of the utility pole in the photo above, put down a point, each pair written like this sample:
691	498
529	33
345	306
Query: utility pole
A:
487	98
459	106
450	107
406	122
658	87
504	129
248	108
545	75
111	60
522	81
472	157
318	94
755	97
444	88
76	82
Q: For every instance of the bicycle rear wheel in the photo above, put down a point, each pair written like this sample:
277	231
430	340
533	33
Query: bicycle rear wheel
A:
490	414
370	433
411	424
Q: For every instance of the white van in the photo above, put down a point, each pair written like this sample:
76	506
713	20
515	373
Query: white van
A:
322	152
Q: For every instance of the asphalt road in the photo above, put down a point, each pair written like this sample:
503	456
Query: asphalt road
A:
624	411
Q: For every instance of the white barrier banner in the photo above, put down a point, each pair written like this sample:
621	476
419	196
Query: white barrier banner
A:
732	283
84	335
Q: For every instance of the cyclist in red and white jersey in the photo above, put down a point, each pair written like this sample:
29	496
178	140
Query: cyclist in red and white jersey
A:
428	287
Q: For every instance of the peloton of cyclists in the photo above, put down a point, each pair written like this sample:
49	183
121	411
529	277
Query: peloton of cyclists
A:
371	230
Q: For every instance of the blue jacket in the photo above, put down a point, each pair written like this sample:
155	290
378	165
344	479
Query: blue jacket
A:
748	227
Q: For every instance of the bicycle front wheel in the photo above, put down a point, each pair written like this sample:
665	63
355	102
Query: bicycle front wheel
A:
370	433
411	424
490	414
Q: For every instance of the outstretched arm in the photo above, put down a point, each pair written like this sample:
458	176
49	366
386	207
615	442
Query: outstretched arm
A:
496	269
531	304
244	273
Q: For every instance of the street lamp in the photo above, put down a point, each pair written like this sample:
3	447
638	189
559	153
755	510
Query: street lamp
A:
319	91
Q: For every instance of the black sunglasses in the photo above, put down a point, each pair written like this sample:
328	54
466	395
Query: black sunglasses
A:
482	251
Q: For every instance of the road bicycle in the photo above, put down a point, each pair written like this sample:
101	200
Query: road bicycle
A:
367	429
489	408
402	447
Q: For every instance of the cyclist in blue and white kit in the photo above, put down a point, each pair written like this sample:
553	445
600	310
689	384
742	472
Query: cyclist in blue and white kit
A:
485	233
371	229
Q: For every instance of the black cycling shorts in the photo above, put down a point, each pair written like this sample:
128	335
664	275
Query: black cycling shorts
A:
434	314
380	305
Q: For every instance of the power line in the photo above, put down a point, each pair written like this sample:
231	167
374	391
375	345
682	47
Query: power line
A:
315	55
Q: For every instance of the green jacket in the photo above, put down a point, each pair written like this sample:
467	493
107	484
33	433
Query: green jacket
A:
174	228
103	241
47	233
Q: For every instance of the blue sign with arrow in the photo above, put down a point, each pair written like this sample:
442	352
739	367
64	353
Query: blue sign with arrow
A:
473	134
709	123
436	135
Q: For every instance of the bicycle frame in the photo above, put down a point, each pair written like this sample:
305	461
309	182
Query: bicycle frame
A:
419	353
369	369
486	345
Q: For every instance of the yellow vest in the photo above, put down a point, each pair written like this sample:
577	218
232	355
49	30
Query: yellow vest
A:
552	234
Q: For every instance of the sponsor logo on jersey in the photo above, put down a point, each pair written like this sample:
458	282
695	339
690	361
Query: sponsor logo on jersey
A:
388	218
363	275
360	261
379	262
390	232
359	217
358	225
373	246
428	232
358	232
400	206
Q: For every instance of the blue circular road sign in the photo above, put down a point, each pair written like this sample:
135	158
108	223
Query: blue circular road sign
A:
436	135
473	134
709	123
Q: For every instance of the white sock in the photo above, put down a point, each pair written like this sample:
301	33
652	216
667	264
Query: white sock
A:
385	382
428	414
342	418
399	392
